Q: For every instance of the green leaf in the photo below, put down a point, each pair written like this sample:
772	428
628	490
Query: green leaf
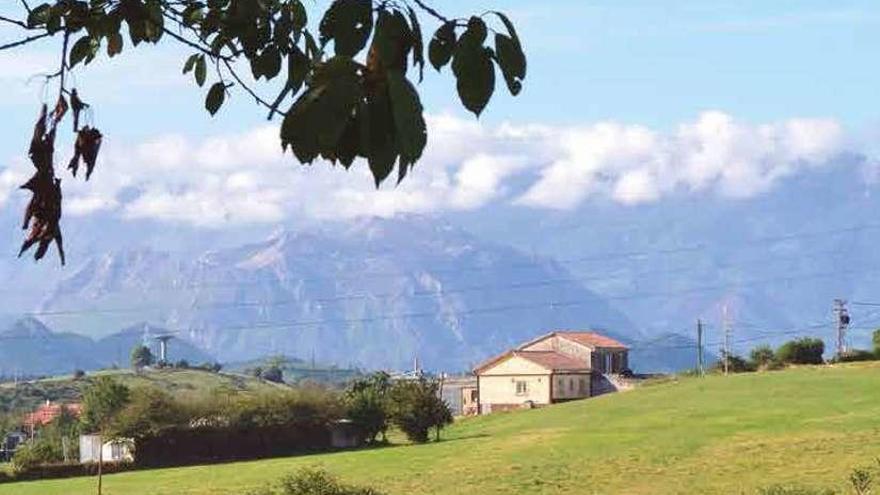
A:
442	45
377	136
114	44
80	51
317	120
393	40
349	24
215	98
201	71
475	75
297	69
270	62
509	25
512	62
418	43
409	123
190	63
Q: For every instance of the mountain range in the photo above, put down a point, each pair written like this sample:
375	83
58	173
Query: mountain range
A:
453	289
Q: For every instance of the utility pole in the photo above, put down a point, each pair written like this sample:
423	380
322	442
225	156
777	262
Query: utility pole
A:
842	320
700	347
726	323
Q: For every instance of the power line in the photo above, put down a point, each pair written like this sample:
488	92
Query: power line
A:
430	293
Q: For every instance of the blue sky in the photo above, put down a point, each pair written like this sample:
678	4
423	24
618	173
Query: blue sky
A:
649	68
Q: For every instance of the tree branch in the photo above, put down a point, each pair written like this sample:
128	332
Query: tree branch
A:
431	11
24	41
241	83
14	21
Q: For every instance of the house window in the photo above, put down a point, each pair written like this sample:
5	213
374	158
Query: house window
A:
571	385
522	388
582	386
116	451
474	395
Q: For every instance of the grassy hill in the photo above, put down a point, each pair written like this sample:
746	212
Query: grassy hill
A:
724	435
184	383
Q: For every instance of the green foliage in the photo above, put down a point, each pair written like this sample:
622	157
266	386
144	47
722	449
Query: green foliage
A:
801	351
735	364
367	404
855	355
141	356
48	445
103	400
875	339
762	357
416	407
313	482
861	480
148	411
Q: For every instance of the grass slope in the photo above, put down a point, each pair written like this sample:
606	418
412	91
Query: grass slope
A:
183	383
715	435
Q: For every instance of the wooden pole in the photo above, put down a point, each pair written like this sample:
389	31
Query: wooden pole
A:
100	460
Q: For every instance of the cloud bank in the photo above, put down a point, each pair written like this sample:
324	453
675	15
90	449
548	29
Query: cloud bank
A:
244	179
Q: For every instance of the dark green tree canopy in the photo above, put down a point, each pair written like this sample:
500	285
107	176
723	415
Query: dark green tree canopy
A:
347	89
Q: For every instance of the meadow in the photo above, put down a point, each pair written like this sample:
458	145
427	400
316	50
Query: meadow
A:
730	435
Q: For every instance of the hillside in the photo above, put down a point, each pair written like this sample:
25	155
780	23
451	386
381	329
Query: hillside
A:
718	435
182	383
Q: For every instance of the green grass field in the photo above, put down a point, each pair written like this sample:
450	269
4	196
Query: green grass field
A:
725	435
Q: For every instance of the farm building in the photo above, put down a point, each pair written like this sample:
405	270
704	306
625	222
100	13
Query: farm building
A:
555	367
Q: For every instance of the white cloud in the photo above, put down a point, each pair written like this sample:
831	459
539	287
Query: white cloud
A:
633	164
243	178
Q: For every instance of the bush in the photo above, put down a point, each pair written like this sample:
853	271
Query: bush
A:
801	351
416	407
35	453
313	482
78	374
736	364
182	364
876	340
141	356
762	357
367	404
855	355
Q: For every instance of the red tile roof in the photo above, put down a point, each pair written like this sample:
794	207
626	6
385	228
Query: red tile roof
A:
591	339
550	360
46	413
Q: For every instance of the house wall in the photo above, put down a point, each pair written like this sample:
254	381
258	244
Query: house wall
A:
118	451
571	386
498	385
619	360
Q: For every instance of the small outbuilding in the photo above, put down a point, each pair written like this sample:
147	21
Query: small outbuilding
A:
117	450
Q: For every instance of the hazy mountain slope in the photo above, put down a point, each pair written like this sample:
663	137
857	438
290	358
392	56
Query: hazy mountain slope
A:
376	294
29	348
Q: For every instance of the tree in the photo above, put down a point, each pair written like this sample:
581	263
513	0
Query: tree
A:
416	407
367	404
801	351
103	400
141	356
346	89
762	357
875	338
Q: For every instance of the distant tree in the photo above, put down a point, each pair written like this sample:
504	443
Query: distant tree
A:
876	341
273	374
103	400
762	357
416	407
141	356
735	364
182	364
257	372
367	405
801	351
78	374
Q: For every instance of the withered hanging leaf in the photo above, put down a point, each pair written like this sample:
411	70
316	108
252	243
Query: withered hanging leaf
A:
92	139
60	110
77	106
